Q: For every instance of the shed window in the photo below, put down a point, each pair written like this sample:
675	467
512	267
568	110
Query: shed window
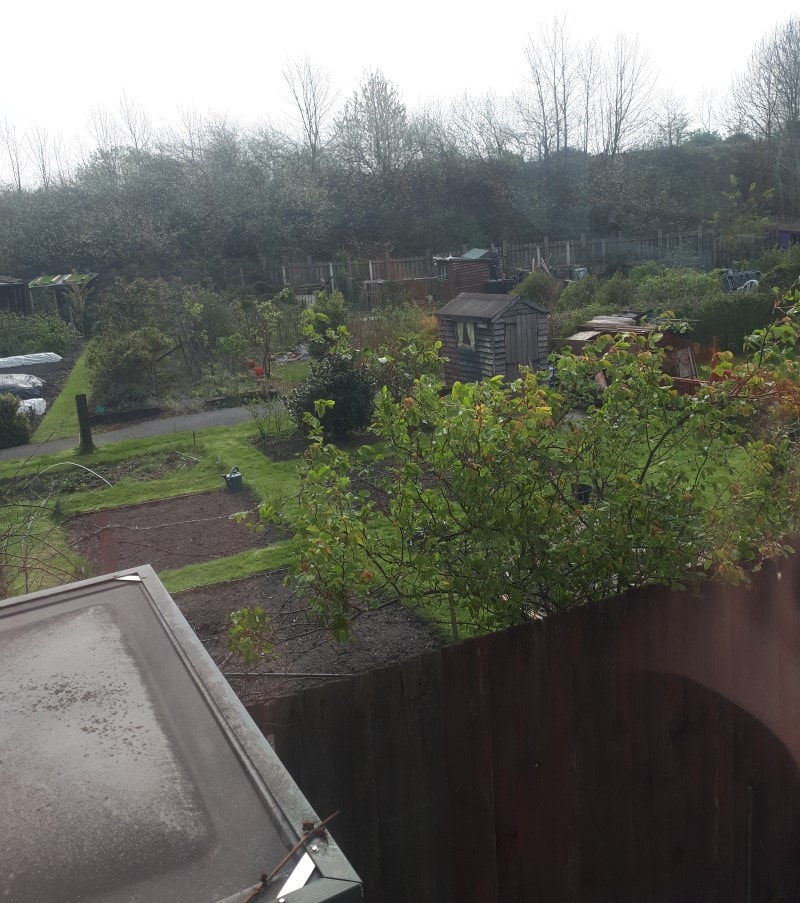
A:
465	333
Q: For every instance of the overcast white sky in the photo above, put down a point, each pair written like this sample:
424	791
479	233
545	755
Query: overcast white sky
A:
62	58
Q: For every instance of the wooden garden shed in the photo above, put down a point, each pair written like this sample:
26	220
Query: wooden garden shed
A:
487	335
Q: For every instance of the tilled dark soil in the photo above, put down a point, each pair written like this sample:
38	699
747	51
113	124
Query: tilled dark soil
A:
167	534
304	654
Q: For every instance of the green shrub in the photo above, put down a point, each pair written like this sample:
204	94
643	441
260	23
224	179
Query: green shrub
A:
681	290
324	318
15	428
615	294
30	335
346	382
121	366
539	287
729	318
580	293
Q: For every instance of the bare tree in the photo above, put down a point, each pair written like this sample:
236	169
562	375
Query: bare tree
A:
105	131
372	131
14	153
765	102
484	127
670	122
627	91
590	66
313	98
40	154
546	107
135	125
192	136
707	112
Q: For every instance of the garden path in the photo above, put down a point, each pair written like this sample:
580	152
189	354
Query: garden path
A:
163	426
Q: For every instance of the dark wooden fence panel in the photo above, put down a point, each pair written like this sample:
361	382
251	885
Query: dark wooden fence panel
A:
642	749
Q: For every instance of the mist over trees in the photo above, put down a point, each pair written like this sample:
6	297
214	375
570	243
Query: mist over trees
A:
586	145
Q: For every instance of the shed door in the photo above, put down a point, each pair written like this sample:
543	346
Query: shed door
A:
521	344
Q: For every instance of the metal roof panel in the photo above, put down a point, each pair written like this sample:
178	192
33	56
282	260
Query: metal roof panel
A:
131	772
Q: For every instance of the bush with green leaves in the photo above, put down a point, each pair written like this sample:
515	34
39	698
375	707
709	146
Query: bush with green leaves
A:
503	505
577	294
342	379
30	335
681	290
15	427
539	287
121	366
322	322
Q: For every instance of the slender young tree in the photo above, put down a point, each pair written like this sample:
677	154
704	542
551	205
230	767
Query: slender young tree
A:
313	98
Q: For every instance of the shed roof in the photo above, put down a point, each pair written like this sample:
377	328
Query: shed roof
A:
62	279
131	771
477	254
10	280
482	306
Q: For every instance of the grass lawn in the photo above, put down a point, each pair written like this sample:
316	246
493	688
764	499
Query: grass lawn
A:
61	421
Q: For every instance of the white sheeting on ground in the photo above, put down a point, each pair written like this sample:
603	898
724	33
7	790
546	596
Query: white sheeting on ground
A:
21	380
33	406
28	360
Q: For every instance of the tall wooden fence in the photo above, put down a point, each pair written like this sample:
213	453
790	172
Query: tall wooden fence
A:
643	749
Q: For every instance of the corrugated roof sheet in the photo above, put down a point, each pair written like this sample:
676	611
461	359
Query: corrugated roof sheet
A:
481	306
65	279
131	772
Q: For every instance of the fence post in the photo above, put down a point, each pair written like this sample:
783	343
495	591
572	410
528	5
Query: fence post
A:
566	248
82	407
546	248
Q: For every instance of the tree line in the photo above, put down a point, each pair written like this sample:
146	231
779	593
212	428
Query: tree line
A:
585	146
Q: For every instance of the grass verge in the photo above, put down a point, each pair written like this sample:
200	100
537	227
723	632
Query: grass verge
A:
61	421
233	567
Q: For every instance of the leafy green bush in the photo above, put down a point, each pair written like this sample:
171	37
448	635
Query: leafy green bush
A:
539	287
121	366
30	335
323	321
616	294
338	377
729	318
681	290
15	428
580	293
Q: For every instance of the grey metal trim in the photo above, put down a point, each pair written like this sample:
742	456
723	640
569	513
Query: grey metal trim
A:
258	758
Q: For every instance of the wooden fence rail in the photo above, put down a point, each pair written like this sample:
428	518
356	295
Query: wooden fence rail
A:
701	249
642	749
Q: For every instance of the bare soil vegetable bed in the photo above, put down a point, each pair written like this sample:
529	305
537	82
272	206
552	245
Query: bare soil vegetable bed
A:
379	638
166	534
67	479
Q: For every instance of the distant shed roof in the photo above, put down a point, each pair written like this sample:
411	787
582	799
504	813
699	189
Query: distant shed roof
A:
65	279
481	306
477	254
